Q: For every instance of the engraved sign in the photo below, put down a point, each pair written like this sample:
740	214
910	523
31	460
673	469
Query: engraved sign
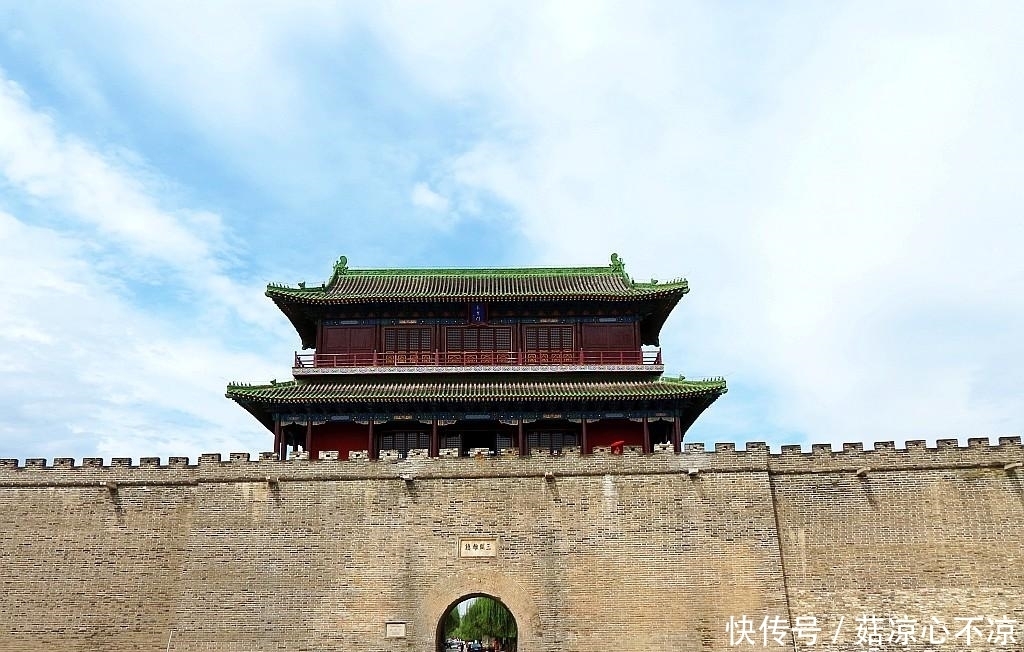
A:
478	547
394	630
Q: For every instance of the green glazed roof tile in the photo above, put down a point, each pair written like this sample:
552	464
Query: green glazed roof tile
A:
523	283
512	391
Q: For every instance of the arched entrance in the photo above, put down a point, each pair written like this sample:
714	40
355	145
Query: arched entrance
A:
472	582
478	621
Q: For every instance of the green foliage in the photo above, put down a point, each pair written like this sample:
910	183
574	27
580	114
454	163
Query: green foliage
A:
452	622
487	618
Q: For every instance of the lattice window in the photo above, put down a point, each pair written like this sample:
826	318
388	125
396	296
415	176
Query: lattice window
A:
549	338
551	440
478	339
403	441
408	339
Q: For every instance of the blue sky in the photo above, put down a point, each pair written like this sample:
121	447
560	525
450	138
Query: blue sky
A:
840	183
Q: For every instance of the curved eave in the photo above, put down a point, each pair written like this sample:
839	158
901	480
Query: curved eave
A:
262	400
303	306
324	297
346	393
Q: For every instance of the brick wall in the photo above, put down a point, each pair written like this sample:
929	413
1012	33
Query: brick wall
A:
607	553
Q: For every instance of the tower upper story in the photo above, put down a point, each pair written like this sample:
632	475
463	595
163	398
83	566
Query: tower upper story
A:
485	319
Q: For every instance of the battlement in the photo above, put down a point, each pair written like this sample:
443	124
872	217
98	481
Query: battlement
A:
1007	455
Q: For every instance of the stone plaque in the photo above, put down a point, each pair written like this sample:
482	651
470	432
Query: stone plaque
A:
478	547
394	630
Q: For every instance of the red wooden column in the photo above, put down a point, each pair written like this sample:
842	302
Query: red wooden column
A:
369	449
677	435
522	440
435	443
647	437
277	436
309	435
583	439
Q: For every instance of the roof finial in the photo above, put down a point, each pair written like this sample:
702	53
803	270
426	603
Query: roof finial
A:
341	266
617	264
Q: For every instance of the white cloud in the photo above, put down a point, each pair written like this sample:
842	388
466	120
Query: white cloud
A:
424	197
116	197
91	374
81	361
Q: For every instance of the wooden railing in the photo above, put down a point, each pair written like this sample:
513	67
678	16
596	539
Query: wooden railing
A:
477	358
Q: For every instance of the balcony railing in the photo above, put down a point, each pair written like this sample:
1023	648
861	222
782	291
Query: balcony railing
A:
476	358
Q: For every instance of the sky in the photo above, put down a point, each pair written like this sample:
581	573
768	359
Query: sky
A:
841	183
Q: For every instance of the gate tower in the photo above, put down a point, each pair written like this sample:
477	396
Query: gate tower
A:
500	361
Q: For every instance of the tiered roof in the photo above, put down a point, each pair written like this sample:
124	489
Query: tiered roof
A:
355	292
405	390
302	304
693	396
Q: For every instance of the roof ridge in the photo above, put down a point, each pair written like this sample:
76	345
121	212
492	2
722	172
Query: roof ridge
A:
616	269
341	269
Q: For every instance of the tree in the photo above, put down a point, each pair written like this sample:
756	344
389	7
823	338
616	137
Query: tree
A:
452	622
488	618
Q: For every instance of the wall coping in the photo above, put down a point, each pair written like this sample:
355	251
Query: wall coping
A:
693	461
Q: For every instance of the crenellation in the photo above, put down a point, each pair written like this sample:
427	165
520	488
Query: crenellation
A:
885	456
821	449
92	462
149	462
238	457
792	449
267	456
756	446
947	443
122	461
978	442
35	463
725	447
63	462
790	461
177	462
696	447
1009	441
329	456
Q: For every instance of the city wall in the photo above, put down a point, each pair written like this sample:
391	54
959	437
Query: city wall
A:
689	551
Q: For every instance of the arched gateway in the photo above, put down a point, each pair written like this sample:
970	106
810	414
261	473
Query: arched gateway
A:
487	584
480	583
